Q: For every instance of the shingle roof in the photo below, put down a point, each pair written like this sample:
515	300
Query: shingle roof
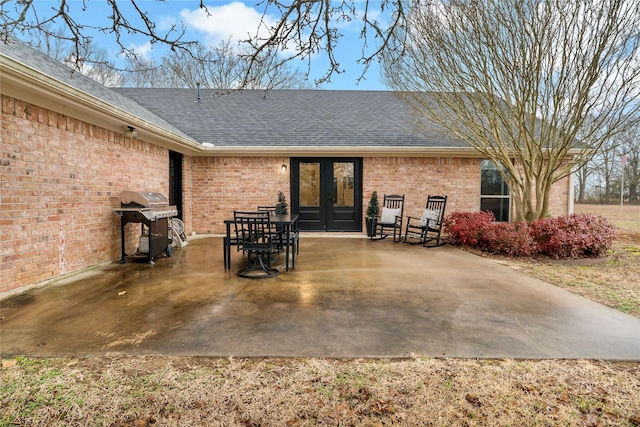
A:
32	58
289	117
255	118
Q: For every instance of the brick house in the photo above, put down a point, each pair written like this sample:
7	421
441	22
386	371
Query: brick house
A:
66	156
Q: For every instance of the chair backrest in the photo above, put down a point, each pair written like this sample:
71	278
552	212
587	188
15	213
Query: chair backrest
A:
438	203
267	208
253	230
391	202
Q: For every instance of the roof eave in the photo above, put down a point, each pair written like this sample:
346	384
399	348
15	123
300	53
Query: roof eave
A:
29	85
339	151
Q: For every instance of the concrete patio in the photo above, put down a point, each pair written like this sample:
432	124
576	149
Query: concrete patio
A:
347	297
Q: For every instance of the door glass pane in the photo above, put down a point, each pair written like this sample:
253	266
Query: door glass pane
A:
309	184
343	183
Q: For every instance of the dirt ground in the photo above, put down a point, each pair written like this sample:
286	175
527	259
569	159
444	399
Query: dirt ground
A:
182	391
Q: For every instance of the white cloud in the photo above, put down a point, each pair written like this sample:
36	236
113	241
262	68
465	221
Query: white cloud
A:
141	49
219	23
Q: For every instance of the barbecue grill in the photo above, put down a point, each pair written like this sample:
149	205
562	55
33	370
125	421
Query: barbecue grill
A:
152	210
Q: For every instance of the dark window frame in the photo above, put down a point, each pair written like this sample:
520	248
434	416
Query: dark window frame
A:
495	195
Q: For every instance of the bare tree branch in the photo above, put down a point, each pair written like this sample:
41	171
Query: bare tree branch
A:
303	29
15	18
307	27
534	86
221	67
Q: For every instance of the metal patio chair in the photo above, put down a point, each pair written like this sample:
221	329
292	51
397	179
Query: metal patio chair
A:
280	236
276	231
255	238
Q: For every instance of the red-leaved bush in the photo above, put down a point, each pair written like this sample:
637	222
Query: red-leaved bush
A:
572	236
505	238
568	236
466	228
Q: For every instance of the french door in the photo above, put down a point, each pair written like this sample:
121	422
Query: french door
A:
327	193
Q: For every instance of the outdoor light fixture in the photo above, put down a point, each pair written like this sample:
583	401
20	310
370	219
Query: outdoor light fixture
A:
284	167
131	132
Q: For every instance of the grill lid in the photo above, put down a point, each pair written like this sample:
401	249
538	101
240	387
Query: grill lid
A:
146	199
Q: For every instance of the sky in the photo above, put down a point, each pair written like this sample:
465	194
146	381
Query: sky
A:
235	19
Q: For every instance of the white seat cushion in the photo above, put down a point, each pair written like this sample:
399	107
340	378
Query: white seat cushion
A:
429	214
389	215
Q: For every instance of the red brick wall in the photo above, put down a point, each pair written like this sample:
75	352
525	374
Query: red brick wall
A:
61	181
559	197
457	178
417	178
221	185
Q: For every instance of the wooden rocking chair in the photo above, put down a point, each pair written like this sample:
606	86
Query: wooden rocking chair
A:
390	218
427	230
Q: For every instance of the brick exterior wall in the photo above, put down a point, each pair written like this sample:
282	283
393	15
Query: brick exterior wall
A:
417	178
61	181
221	185
560	197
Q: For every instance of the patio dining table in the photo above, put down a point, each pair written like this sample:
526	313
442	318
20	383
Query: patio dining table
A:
287	223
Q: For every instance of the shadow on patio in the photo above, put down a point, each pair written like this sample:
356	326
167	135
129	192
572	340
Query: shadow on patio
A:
347	297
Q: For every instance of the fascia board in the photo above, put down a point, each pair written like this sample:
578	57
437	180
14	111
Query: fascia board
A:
340	151
29	85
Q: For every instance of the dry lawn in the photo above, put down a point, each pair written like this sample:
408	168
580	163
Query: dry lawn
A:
167	391
613	281
171	391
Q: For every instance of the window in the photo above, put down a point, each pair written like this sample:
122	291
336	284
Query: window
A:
494	192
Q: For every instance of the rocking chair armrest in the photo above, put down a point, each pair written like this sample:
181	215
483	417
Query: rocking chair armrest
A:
418	226
398	220
409	218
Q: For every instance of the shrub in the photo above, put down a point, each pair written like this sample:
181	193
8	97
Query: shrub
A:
479	230
573	236
466	228
569	236
373	209
505	238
